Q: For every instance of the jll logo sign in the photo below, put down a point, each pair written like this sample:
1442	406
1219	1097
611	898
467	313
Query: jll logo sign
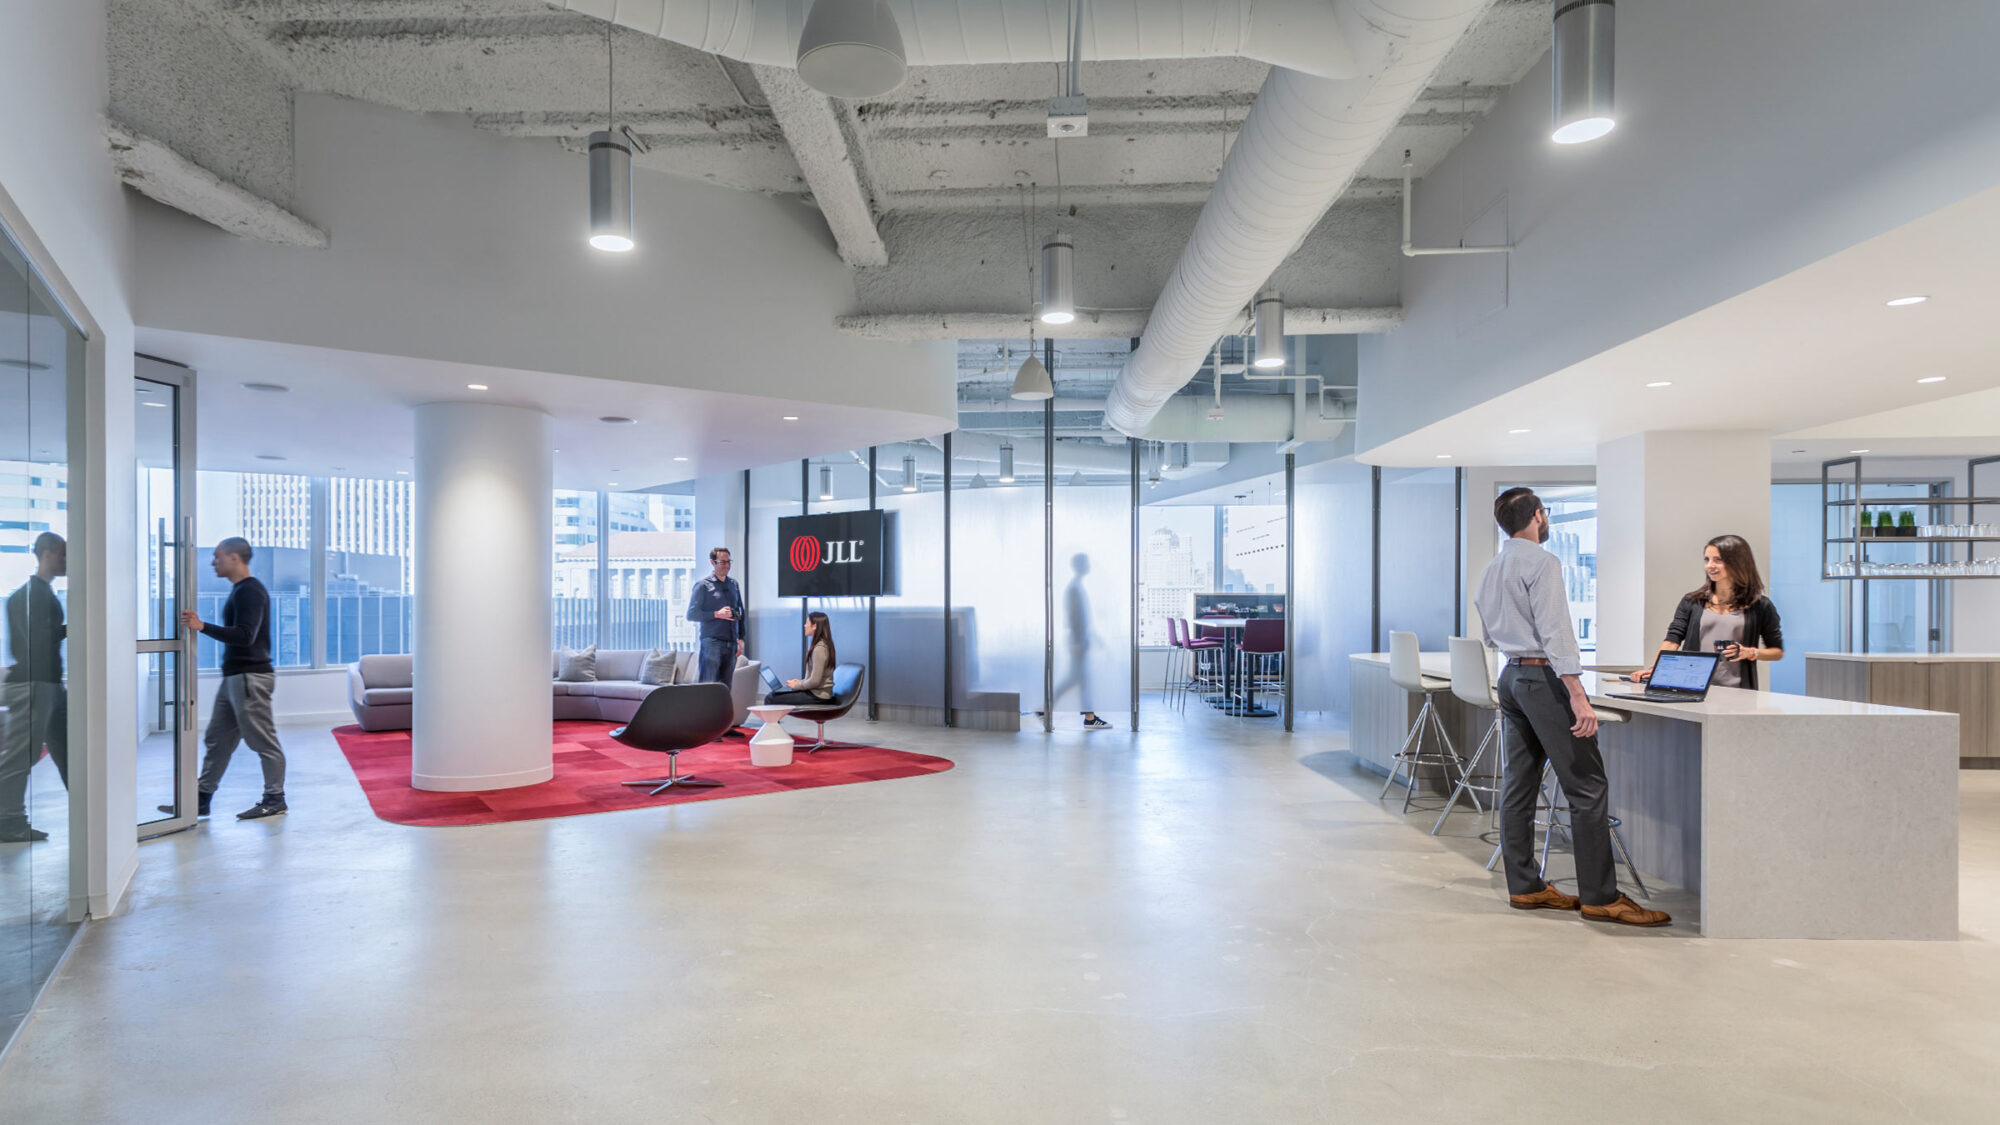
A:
808	552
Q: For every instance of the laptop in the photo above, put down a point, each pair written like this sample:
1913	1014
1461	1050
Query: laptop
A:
1678	677
771	679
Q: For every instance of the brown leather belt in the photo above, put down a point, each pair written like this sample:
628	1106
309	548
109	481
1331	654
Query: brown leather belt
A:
1530	661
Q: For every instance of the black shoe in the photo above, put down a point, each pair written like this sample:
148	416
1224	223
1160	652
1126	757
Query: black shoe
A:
1095	723
269	806
22	834
201	808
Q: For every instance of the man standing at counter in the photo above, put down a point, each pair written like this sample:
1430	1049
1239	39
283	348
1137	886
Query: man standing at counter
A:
1521	599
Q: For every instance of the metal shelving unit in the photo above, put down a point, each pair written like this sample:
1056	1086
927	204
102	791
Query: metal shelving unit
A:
1844	554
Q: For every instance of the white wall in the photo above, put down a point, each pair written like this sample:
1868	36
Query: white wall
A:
1753	139
316	696
456	244
58	193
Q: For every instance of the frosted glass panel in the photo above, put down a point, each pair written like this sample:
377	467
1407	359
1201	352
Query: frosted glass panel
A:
909	626
774	633
1419	554
837	482
996	590
1093	574
1334	569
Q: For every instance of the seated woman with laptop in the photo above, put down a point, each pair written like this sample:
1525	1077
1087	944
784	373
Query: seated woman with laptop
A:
1728	615
817	684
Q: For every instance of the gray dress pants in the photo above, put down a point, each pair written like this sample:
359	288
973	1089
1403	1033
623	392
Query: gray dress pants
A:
1538	718
37	715
243	714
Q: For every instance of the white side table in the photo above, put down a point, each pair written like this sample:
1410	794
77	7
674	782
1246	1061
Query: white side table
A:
771	746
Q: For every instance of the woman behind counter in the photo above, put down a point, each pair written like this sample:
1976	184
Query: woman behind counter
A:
1726	614
817	686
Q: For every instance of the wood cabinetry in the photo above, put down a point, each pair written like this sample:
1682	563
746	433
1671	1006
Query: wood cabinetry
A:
1964	684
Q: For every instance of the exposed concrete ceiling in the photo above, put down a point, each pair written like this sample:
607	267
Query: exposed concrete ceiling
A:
924	189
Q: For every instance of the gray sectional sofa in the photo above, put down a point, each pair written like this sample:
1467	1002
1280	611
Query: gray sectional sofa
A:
380	691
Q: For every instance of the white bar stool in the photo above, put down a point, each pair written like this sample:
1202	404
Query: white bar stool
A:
1472	683
1406	672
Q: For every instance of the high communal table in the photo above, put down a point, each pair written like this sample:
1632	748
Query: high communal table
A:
1231	701
1789	816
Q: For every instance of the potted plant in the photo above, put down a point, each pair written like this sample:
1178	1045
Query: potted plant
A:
1885	524
1906	527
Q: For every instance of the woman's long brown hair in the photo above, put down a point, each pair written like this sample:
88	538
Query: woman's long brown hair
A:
822	635
1741	565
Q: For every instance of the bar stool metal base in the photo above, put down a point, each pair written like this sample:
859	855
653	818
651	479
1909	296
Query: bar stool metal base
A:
1466	786
1412	754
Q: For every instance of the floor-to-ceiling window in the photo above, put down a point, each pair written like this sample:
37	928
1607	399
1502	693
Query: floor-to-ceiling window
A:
574	577
370	567
273	512
1573	539
649	569
41	352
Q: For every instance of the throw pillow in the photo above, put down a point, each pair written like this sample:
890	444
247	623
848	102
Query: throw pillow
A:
578	667
659	668
689	669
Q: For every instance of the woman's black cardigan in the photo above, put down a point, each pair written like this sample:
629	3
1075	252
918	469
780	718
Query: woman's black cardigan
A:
1760	629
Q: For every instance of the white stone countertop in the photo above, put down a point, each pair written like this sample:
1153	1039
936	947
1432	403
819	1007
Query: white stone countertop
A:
1722	702
1909	657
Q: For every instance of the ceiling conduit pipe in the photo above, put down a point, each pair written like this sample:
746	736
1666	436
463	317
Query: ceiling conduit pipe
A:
1303	35
1300	147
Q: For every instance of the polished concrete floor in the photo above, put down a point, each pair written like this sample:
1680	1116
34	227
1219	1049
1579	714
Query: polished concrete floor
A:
1211	921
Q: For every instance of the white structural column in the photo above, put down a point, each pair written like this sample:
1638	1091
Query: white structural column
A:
1660	497
484	512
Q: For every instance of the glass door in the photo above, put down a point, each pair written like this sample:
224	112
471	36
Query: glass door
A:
168	686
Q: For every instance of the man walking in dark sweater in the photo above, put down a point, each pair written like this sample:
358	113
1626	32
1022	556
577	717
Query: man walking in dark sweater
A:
243	702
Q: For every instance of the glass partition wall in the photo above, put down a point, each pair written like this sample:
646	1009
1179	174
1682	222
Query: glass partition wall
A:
41	353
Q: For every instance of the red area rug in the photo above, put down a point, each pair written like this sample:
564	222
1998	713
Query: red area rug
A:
589	767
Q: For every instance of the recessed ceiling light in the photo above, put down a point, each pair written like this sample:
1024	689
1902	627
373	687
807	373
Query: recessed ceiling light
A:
1444	456
680	458
1932	379
1660	383
268	388
476	387
617	420
270	457
1857	451
402	472
1899	302
791	417
611	484
161	405
1519	431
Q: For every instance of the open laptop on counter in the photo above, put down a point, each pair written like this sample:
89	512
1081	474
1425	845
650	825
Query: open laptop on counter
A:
1678	677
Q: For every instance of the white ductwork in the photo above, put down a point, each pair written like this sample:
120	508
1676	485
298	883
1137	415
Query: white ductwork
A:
1303	35
1300	147
1245	418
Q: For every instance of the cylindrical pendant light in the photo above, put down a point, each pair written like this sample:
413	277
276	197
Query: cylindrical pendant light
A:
909	473
610	191
1058	285
1006	463
1032	382
1270	329
851	49
826	482
1581	64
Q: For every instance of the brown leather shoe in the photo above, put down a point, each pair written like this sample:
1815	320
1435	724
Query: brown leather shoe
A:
1625	912
1548	898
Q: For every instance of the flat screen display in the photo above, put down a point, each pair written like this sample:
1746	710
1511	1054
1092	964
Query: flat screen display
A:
1683	671
837	555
